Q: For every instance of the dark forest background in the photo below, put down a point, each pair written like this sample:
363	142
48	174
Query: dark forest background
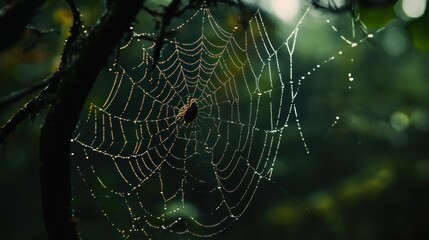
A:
366	176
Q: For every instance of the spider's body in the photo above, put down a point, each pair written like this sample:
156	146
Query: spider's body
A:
188	112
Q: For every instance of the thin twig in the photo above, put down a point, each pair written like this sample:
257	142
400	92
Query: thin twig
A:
75	33
14	97
30	110
39	102
39	33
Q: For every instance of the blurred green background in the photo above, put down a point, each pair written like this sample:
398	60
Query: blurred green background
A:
367	173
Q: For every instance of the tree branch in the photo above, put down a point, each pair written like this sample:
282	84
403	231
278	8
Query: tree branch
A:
39	33
91	56
14	97
75	32
30	110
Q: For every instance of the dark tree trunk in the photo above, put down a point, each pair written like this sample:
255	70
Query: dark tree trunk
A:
63	114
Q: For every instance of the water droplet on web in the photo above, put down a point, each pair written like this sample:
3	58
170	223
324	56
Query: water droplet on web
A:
335	121
354	44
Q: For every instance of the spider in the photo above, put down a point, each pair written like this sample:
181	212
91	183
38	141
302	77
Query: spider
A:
188	112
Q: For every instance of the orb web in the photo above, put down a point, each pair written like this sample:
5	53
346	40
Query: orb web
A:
150	171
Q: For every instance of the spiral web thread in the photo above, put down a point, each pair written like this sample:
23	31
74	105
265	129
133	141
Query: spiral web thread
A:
148	170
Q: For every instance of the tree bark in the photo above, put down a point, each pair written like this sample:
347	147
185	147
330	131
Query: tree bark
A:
61	119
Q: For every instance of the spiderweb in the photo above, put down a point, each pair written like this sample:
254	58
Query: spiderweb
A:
147	168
